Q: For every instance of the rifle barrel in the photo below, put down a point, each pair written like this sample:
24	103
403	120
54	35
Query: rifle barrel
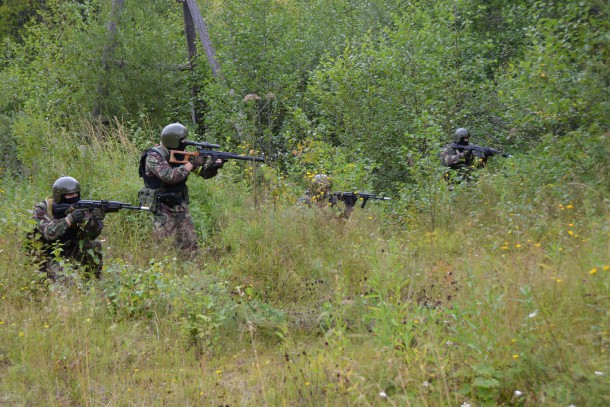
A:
225	155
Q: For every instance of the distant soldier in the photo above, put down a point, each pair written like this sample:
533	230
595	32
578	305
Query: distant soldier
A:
165	190
320	194
462	157
459	159
72	235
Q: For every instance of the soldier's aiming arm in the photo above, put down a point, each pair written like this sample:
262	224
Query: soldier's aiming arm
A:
481	152
104	205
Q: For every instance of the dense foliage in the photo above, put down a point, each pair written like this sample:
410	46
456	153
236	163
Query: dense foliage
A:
492	293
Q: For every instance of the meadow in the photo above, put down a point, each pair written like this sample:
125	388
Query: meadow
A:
503	302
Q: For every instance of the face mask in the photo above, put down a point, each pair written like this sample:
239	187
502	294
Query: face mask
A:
72	200
182	145
463	142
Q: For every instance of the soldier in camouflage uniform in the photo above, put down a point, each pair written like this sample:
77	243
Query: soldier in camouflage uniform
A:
165	190
461	162
72	234
320	193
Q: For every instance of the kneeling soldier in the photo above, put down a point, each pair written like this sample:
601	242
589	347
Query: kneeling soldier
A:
71	234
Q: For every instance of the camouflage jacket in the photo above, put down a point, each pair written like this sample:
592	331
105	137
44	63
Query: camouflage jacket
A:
158	166
452	158
321	200
56	229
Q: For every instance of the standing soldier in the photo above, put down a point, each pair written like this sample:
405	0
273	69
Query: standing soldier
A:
73	233
165	190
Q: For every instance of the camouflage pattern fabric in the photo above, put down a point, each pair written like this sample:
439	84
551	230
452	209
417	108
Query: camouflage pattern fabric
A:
321	200
462	165
451	158
74	241
173	220
157	166
176	221
324	200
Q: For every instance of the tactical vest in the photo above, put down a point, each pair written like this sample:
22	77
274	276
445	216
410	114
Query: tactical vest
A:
156	191
155	183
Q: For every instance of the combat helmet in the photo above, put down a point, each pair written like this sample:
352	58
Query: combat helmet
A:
321	182
172	134
460	134
63	186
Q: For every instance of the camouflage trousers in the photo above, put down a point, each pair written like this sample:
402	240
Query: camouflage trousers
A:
175	221
89	257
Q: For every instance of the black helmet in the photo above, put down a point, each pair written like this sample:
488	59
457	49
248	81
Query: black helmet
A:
172	134
460	134
63	186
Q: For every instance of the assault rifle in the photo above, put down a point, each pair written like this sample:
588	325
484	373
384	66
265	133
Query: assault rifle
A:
104	205
478	151
206	150
348	197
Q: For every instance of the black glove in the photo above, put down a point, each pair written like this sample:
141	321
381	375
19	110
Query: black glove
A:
197	161
98	214
76	216
217	162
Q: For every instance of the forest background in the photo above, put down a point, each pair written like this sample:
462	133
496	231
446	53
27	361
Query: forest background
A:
492	293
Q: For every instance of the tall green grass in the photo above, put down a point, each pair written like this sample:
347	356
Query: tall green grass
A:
504	302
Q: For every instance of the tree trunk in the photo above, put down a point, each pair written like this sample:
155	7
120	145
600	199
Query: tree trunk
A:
189	30
107	57
203	36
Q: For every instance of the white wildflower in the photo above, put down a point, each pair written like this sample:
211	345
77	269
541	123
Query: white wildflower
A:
518	393
533	314
426	384
383	394
598	373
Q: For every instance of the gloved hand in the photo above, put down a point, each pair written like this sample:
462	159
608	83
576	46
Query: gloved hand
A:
98	214
76	216
197	161
218	163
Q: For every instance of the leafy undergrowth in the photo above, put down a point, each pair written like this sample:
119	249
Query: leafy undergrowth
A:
293	307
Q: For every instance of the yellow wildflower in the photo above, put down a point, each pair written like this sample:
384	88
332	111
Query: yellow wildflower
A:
593	270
